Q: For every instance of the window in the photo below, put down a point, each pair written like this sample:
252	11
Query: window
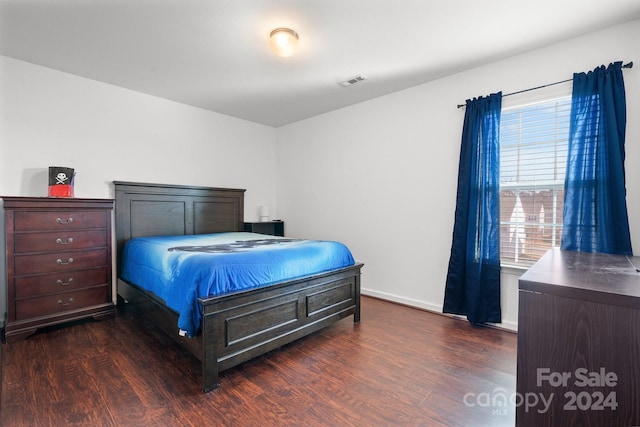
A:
533	157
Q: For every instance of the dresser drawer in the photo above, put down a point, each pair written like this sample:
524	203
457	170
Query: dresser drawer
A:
63	261
59	240
31	286
52	304
59	220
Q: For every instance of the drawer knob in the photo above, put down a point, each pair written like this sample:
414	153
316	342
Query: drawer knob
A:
64	221
62	242
59	261
69	301
67	283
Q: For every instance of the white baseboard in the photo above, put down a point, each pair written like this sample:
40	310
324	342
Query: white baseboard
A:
436	308
402	300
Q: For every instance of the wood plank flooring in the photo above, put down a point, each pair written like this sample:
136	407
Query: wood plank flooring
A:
399	367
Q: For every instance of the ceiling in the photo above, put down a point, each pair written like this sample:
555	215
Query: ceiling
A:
214	54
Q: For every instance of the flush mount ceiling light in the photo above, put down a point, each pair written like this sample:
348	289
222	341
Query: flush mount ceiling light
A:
283	41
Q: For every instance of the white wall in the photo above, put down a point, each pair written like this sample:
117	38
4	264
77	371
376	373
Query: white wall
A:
381	175
50	118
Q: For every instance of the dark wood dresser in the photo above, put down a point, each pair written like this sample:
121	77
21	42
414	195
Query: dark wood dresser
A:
579	341
58	262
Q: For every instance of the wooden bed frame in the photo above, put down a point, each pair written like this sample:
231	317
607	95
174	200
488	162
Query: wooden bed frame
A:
239	326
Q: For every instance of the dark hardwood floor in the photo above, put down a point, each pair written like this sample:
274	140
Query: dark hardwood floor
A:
399	366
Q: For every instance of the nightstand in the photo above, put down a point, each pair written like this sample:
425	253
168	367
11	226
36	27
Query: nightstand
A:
58	262
274	228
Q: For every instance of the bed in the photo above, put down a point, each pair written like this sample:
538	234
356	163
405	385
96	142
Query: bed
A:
237	325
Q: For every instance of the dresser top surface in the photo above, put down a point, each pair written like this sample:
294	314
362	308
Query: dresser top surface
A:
603	278
53	202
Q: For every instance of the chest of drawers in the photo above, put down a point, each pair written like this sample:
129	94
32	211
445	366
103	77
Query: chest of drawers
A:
58	262
579	341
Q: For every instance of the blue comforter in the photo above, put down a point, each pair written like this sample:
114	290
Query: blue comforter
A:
181	269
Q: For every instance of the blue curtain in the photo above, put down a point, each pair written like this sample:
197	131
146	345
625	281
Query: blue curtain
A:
595	207
473	278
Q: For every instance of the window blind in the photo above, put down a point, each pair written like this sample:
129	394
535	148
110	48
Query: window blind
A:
533	157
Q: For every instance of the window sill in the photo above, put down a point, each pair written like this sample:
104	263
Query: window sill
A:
513	269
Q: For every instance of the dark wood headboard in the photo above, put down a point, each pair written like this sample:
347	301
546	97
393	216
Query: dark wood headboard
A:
144	209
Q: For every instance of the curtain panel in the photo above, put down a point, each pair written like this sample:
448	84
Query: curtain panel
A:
595	208
473	277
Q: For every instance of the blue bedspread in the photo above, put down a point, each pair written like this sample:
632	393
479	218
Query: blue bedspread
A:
181	269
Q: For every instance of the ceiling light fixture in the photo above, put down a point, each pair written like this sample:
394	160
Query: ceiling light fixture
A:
283	41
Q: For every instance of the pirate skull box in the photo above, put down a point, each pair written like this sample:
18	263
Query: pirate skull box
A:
61	181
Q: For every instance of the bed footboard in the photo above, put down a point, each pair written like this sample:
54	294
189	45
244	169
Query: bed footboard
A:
241	326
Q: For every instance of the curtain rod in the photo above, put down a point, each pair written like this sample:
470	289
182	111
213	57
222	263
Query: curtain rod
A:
629	65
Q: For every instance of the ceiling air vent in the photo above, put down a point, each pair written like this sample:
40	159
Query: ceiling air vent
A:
352	80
